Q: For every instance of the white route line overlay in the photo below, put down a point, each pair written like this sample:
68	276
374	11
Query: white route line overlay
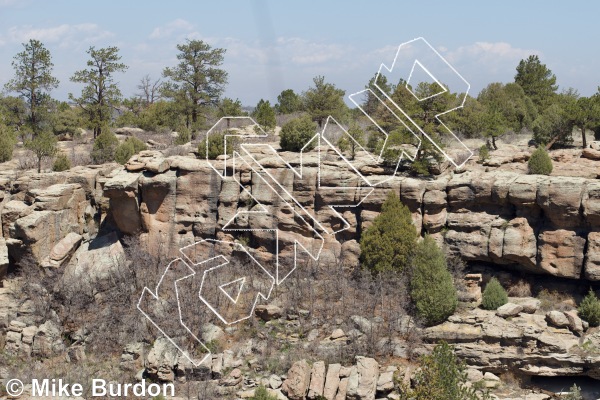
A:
193	272
415	125
245	148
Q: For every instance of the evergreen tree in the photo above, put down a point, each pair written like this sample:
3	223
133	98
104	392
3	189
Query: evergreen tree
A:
324	100
105	147
61	163
494	295
297	134
229	108
101	93
538	82
432	287
7	143
555	124
264	115
388	244
128	148
43	145
197	82
288	102
589	309
215	144
540	162
33	81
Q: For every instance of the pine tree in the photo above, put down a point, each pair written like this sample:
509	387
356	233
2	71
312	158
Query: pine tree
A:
33	81
389	242
432	287
43	146
493	295
589	309
101	93
264	115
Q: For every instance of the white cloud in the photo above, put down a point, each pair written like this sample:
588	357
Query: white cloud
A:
487	52
64	35
177	26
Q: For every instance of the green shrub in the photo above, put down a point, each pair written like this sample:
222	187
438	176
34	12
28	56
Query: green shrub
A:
388	243
216	146
589	309
442	376
574	393
43	145
61	163
484	153
183	136
128	148
540	163
105	146
431	284
7	143
295	135
261	393
264	115
493	295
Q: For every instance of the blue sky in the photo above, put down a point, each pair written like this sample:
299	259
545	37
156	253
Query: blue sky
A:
274	45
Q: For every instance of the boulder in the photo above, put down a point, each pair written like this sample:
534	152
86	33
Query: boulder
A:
491	380
557	319
362	383
211	332
591	154
298	380
509	310
317	380
95	265
530	305
148	160
332	381
268	312
575	323
161	360
129	131
337	334
48	340
233	378
385	383
63	250
275	382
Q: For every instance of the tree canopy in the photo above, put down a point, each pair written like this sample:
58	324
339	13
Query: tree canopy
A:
33	81
388	244
288	102
197	82
537	80
101	93
324	100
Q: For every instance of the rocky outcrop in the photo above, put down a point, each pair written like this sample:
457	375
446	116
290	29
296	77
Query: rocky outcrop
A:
542	344
539	224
